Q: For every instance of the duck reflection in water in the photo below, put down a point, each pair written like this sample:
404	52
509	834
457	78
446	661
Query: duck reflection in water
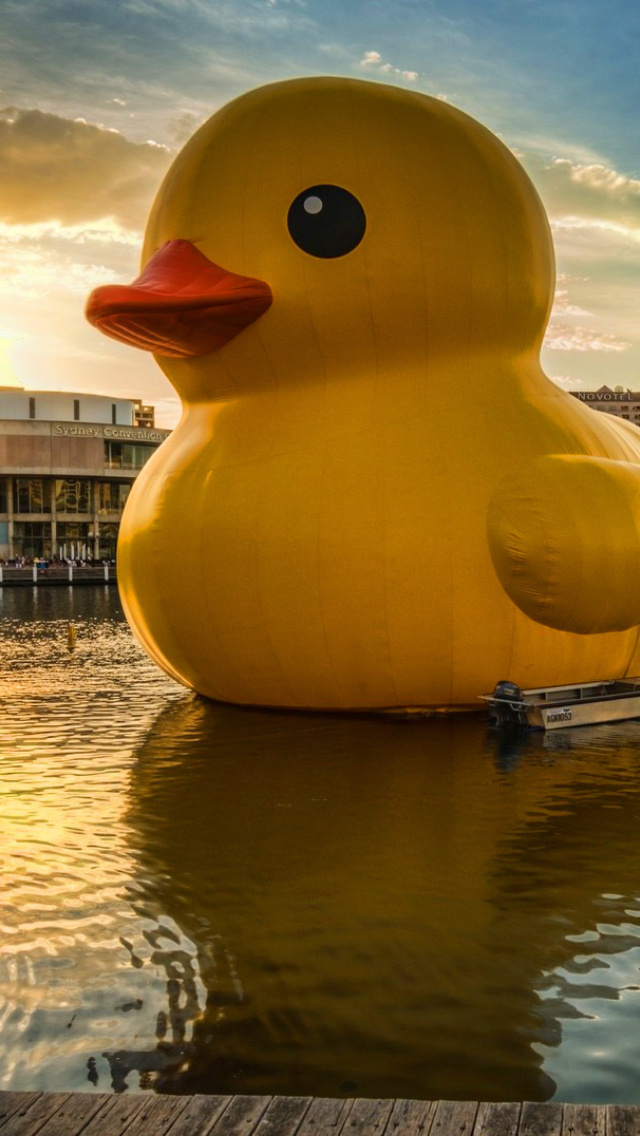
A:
367	906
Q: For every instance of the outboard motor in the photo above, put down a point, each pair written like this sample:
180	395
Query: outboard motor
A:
509	690
507	710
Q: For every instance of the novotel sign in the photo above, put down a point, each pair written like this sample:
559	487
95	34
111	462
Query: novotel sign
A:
607	396
117	433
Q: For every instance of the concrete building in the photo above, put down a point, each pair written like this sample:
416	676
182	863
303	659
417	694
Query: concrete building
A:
67	463
623	403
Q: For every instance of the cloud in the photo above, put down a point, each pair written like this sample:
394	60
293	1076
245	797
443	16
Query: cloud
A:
587	195
596	228
106	231
594	211
33	273
566	338
181	128
373	61
548	145
332	48
251	18
44	259
58	170
569	278
599	177
568	382
562	304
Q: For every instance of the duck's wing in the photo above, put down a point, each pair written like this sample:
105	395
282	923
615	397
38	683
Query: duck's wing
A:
564	537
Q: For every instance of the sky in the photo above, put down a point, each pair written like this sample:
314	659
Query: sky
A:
97	96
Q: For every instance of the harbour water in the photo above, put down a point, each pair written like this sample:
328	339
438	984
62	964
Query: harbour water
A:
199	898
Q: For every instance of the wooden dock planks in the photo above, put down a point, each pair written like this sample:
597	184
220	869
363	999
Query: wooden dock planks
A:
146	1114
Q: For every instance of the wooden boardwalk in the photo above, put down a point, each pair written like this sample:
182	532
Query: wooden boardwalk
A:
145	1114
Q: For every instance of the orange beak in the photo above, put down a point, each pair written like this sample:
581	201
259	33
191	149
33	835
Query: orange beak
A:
182	305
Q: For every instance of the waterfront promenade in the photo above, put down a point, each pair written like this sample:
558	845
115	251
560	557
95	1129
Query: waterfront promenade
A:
61	575
147	1114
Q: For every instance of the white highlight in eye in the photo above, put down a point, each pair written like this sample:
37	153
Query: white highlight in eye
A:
312	204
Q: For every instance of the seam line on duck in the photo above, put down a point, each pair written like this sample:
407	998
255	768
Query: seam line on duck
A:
319	519
213	615
373	402
258	329
325	445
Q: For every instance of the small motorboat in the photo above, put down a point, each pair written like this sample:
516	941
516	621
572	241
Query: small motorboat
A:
558	707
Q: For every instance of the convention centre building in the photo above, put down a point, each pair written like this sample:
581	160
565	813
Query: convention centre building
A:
67	463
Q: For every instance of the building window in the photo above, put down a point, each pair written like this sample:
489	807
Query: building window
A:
107	541
143	414
3	494
31	495
32	408
32	539
112	496
126	455
73	496
76	410
74	540
114	414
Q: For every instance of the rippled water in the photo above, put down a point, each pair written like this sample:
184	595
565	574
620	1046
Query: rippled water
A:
200	898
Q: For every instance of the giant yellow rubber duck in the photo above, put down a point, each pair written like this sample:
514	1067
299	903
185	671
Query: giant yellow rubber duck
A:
375	497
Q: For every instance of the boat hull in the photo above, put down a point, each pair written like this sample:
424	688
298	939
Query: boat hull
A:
585	713
557	708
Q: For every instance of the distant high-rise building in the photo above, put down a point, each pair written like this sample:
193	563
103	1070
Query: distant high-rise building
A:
143	414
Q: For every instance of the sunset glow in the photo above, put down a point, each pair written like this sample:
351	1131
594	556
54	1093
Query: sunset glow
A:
96	99
7	373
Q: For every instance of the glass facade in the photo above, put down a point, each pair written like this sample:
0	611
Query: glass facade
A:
32	538
31	495
74	539
73	496
126	455
107	541
112	496
69	538
74	511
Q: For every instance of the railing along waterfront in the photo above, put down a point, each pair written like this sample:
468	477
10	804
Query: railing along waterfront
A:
62	574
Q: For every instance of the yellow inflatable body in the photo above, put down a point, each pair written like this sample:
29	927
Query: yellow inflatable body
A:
375	497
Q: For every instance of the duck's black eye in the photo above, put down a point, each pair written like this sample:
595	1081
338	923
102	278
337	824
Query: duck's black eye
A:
326	220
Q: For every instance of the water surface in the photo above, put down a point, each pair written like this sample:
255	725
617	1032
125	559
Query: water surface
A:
198	898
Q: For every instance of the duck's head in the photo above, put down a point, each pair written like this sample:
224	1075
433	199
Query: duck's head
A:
317	226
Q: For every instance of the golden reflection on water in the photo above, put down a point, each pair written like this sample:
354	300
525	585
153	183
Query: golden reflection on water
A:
203	898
